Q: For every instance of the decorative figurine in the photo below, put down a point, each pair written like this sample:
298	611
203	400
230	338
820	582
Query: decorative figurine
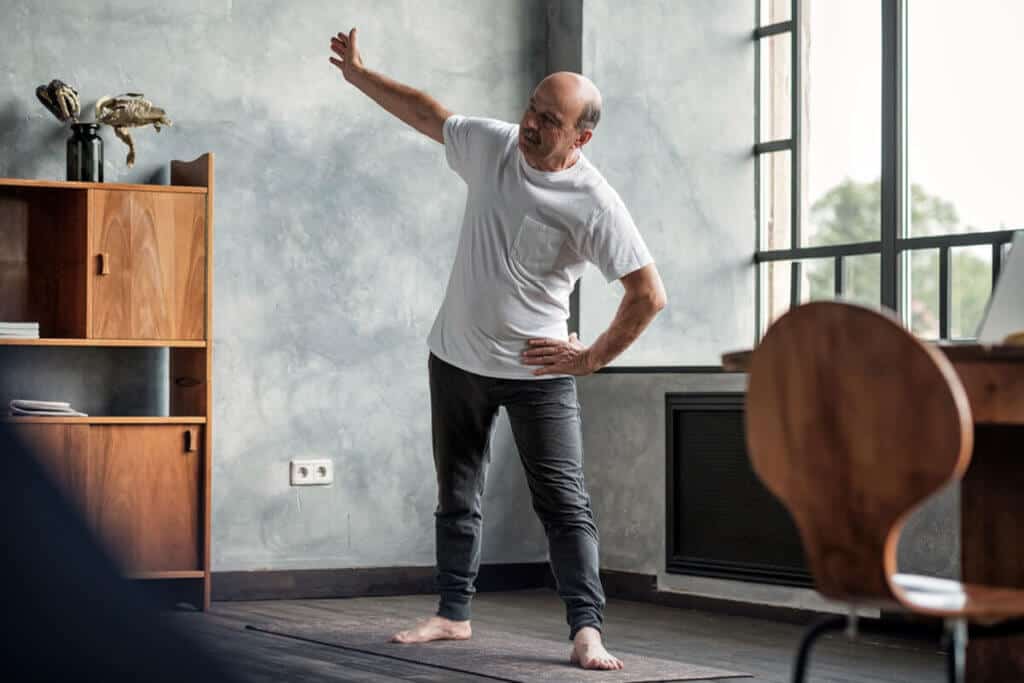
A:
129	111
60	99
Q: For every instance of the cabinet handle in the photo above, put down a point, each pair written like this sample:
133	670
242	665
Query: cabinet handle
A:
190	441
104	263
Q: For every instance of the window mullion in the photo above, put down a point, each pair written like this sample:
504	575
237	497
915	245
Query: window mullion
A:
893	187
795	162
945	287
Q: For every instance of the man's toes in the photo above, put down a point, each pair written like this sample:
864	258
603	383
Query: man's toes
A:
610	663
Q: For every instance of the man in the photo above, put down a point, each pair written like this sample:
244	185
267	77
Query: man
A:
537	212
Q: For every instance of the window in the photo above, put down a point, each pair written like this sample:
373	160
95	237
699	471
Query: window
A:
885	157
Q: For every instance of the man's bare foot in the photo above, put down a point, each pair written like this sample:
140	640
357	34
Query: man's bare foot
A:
434	628
588	651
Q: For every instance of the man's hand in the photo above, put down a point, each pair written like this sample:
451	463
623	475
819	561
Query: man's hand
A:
558	357
346	48
417	109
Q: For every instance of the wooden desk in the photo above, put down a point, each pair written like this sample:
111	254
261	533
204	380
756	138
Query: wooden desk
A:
992	491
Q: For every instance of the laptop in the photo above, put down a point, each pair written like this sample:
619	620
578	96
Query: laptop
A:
1004	314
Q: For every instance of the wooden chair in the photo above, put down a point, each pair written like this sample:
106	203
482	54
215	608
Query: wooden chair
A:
852	423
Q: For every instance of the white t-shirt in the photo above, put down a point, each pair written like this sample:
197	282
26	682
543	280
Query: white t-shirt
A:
526	238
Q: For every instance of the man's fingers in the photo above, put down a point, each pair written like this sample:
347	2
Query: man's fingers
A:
336	62
352	38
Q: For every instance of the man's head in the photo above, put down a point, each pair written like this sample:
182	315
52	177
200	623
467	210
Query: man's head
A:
559	119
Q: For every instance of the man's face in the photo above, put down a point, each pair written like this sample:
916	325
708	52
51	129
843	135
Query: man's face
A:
547	131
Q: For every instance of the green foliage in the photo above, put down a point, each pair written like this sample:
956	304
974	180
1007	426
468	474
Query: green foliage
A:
850	213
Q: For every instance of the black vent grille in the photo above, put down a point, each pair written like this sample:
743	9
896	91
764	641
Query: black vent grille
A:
721	520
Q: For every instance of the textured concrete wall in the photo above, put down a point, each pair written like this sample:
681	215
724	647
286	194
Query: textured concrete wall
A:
675	140
336	226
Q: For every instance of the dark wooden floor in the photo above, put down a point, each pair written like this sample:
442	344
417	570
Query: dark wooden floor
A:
762	648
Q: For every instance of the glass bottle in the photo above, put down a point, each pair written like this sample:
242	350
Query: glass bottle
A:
85	153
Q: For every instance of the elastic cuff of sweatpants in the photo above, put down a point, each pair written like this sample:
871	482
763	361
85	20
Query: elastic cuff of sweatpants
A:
582	624
455	609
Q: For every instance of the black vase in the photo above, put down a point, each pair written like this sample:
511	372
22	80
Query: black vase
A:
85	153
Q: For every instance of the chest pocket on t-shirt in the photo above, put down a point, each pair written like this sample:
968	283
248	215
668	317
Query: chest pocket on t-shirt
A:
537	246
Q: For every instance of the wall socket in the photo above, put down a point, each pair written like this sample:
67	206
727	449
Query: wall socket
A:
311	472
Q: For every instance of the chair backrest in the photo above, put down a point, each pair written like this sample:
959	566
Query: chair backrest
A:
851	423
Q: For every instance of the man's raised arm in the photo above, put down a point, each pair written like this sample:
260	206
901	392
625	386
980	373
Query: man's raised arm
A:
418	109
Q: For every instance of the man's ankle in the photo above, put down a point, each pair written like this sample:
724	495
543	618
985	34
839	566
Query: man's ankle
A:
589	631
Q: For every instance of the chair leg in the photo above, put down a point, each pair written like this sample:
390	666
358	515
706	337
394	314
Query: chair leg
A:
956	657
818	629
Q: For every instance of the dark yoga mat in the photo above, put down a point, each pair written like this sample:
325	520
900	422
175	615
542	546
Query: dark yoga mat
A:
501	656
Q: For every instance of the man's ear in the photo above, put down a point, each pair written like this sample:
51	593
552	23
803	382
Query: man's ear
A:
584	137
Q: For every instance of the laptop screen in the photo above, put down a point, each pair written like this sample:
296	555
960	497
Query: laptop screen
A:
1004	314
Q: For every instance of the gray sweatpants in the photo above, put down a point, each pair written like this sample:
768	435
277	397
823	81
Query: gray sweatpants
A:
546	423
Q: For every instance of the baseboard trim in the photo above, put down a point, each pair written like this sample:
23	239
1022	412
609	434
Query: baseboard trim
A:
621	585
644	588
296	584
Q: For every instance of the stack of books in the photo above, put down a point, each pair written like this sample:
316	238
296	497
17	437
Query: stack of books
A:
19	330
26	408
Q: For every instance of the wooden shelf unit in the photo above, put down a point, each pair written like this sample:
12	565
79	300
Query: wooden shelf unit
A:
123	265
174	343
77	185
103	420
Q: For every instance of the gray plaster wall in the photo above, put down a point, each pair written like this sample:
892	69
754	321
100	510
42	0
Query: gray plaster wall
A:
336	226
675	141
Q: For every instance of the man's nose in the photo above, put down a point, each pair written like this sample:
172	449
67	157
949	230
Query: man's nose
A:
530	120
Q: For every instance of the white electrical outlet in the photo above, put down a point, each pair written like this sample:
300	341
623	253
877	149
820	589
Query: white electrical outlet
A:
312	472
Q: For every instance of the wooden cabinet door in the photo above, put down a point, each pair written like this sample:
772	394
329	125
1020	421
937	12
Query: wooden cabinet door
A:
110	264
63	451
155	244
144	494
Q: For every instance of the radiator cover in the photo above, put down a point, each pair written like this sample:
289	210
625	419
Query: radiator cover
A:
720	519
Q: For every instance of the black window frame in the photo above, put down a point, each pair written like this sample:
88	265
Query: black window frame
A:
895	244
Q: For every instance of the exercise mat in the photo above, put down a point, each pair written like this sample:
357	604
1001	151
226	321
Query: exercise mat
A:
497	655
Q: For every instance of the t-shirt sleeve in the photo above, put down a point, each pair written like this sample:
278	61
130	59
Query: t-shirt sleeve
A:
613	243
469	140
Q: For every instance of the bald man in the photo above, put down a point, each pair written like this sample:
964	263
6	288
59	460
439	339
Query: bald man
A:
537	212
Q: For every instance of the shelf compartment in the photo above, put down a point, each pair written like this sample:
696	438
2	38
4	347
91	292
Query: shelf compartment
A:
43	258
